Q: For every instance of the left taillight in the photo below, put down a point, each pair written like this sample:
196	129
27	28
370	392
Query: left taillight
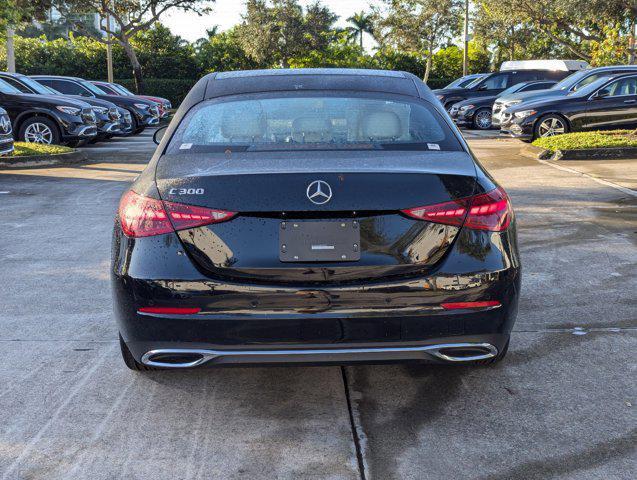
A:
488	211
144	216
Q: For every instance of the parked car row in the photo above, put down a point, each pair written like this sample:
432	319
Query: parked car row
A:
72	111
585	99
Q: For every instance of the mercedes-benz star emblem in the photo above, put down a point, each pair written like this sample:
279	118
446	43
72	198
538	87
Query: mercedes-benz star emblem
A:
5	124
319	192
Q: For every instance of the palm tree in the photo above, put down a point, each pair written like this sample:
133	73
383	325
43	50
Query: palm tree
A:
361	23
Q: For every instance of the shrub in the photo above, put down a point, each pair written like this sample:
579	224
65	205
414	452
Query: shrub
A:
582	140
24	149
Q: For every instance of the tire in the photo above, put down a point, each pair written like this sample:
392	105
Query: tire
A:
41	130
550	125
482	119
498	358
130	361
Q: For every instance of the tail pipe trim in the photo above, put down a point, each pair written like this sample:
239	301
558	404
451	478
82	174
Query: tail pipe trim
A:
449	352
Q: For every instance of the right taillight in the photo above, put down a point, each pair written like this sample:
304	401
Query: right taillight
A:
144	216
488	211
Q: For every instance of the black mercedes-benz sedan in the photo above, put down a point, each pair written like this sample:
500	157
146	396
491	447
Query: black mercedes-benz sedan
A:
313	216
607	103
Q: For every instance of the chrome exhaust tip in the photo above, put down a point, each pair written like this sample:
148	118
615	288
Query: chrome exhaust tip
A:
171	358
465	352
448	352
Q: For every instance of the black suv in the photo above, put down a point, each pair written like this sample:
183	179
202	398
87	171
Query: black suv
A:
47	119
495	83
107	114
144	113
6	136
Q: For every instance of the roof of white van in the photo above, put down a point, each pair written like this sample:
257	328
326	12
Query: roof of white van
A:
563	65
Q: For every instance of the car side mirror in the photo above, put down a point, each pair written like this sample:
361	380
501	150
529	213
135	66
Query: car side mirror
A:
601	94
159	134
482	87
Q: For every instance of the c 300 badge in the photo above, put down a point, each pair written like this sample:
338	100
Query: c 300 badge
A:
186	191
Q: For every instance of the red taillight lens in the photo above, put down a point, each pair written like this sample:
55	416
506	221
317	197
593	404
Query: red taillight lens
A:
488	211
463	305
188	216
144	216
170	310
449	213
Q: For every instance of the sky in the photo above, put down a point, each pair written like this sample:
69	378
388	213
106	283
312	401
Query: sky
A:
228	13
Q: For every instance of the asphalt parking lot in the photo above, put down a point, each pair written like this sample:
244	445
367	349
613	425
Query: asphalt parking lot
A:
562	405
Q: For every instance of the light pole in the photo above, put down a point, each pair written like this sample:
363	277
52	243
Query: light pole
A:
465	53
109	50
10	50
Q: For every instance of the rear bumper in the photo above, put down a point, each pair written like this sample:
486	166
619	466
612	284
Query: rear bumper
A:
251	323
458	350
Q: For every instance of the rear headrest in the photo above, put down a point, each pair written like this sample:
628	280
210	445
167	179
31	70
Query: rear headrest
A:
311	129
243	124
380	126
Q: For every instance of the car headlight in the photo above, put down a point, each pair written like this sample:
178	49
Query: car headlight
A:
69	110
524	113
465	108
514	102
100	110
141	106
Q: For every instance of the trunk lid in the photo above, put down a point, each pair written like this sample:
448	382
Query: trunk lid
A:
270	191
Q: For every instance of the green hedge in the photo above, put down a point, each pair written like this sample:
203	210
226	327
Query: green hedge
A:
174	89
581	140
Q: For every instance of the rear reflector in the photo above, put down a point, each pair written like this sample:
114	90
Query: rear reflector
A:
144	216
488	211
170	310
462	305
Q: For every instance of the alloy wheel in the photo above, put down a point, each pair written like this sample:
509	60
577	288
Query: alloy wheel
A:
38	133
483	120
550	127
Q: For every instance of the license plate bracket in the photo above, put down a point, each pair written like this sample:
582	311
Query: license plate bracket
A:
322	241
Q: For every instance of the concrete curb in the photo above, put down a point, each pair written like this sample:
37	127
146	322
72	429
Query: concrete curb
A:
535	152
580	154
596	153
38	161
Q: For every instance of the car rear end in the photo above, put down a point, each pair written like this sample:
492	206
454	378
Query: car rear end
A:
314	227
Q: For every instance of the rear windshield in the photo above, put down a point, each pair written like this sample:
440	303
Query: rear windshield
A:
290	121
